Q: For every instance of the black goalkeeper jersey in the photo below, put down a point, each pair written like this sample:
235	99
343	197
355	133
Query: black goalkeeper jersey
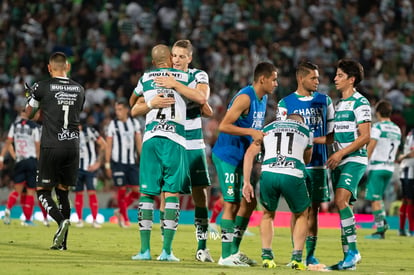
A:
61	102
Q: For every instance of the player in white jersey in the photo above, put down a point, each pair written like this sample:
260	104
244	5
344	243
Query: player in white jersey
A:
407	185
92	149
181	58
349	161
287	148
165	169
382	149
123	150
23	143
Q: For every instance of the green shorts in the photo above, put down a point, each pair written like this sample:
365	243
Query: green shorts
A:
230	178
377	183
198	169
163	166
293	189
348	176
317	183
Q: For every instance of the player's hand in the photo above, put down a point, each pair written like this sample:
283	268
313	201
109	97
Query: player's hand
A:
334	160
166	81
257	136
248	192
94	167
159	101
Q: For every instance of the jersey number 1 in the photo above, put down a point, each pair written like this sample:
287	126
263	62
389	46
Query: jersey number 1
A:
65	109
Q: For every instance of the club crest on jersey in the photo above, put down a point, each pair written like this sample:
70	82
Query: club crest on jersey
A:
282	163
164	127
230	191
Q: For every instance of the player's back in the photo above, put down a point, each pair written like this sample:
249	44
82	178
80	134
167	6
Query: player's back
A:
165	122
284	144
388	136
61	101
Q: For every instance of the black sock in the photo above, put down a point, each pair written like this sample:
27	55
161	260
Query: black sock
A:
64	205
45	198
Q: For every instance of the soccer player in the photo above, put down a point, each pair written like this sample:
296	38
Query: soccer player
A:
181	58
123	148
348	163
407	184
182	51
165	168
382	149
23	143
318	112
240	126
287	147
89	163
60	100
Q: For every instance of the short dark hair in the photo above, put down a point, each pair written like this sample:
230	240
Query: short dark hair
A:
305	67
122	101
58	57
295	116
264	68
384	108
352	69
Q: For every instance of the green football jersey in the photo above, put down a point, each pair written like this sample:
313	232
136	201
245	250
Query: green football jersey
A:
349	113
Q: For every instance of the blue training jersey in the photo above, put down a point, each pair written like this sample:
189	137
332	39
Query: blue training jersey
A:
318	112
231	148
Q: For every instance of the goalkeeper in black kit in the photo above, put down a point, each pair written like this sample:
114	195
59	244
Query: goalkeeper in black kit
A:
60	101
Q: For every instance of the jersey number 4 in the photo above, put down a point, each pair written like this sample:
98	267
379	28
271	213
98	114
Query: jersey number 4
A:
162	115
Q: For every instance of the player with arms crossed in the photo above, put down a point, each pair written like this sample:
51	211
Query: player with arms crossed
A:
318	112
241	125
287	147
61	101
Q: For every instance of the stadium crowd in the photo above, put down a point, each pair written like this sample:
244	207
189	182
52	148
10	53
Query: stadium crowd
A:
109	42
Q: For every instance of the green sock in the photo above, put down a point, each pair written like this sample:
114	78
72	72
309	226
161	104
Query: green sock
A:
201	224
267	254
172	214
227	229
240	226
348	225
311	245
297	255
145	216
162	222
379	220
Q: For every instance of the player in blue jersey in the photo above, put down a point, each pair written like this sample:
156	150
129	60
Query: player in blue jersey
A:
318	112
240	126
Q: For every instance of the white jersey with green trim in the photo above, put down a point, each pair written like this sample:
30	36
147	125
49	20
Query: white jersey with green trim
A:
388	137
349	113
193	125
407	165
165	122
284	144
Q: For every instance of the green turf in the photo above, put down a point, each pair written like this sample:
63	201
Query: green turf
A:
25	250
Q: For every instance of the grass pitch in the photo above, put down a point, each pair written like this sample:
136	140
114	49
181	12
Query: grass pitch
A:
25	250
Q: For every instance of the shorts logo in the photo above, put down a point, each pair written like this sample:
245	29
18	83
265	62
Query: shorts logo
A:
230	191
348	181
